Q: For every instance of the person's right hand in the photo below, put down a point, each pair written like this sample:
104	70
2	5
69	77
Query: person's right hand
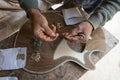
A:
40	26
80	33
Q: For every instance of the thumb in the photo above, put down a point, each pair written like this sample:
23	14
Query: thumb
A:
49	32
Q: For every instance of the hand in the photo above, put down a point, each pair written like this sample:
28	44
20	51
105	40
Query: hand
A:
80	33
40	26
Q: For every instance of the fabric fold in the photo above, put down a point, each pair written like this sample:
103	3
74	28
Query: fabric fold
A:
13	58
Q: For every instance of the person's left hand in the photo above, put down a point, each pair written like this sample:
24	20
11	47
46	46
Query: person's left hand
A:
80	33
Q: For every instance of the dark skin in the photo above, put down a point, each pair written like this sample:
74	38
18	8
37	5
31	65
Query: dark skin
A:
41	30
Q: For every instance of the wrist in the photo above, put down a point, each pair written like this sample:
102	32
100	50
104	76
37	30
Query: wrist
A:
33	13
89	24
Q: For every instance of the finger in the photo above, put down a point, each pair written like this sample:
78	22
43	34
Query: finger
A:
74	39
49	32
74	32
83	37
44	37
53	28
68	37
65	34
56	35
51	38
47	38
77	39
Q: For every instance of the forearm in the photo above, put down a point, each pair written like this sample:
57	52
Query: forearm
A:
28	4
31	7
33	13
104	13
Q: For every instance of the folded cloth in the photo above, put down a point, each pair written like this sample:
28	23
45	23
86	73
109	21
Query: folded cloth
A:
12	18
8	78
73	16
11	22
9	5
13	58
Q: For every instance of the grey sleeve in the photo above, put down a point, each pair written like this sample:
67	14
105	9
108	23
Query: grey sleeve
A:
104	13
28	4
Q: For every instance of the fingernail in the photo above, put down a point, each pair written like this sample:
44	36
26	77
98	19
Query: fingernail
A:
53	34
81	37
57	34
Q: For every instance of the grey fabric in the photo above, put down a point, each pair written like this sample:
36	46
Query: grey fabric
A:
88	5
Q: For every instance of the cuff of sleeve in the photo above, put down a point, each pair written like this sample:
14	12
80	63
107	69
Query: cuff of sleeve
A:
94	22
26	4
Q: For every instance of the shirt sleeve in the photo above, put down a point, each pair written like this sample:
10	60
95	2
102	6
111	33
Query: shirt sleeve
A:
28	4
104	13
